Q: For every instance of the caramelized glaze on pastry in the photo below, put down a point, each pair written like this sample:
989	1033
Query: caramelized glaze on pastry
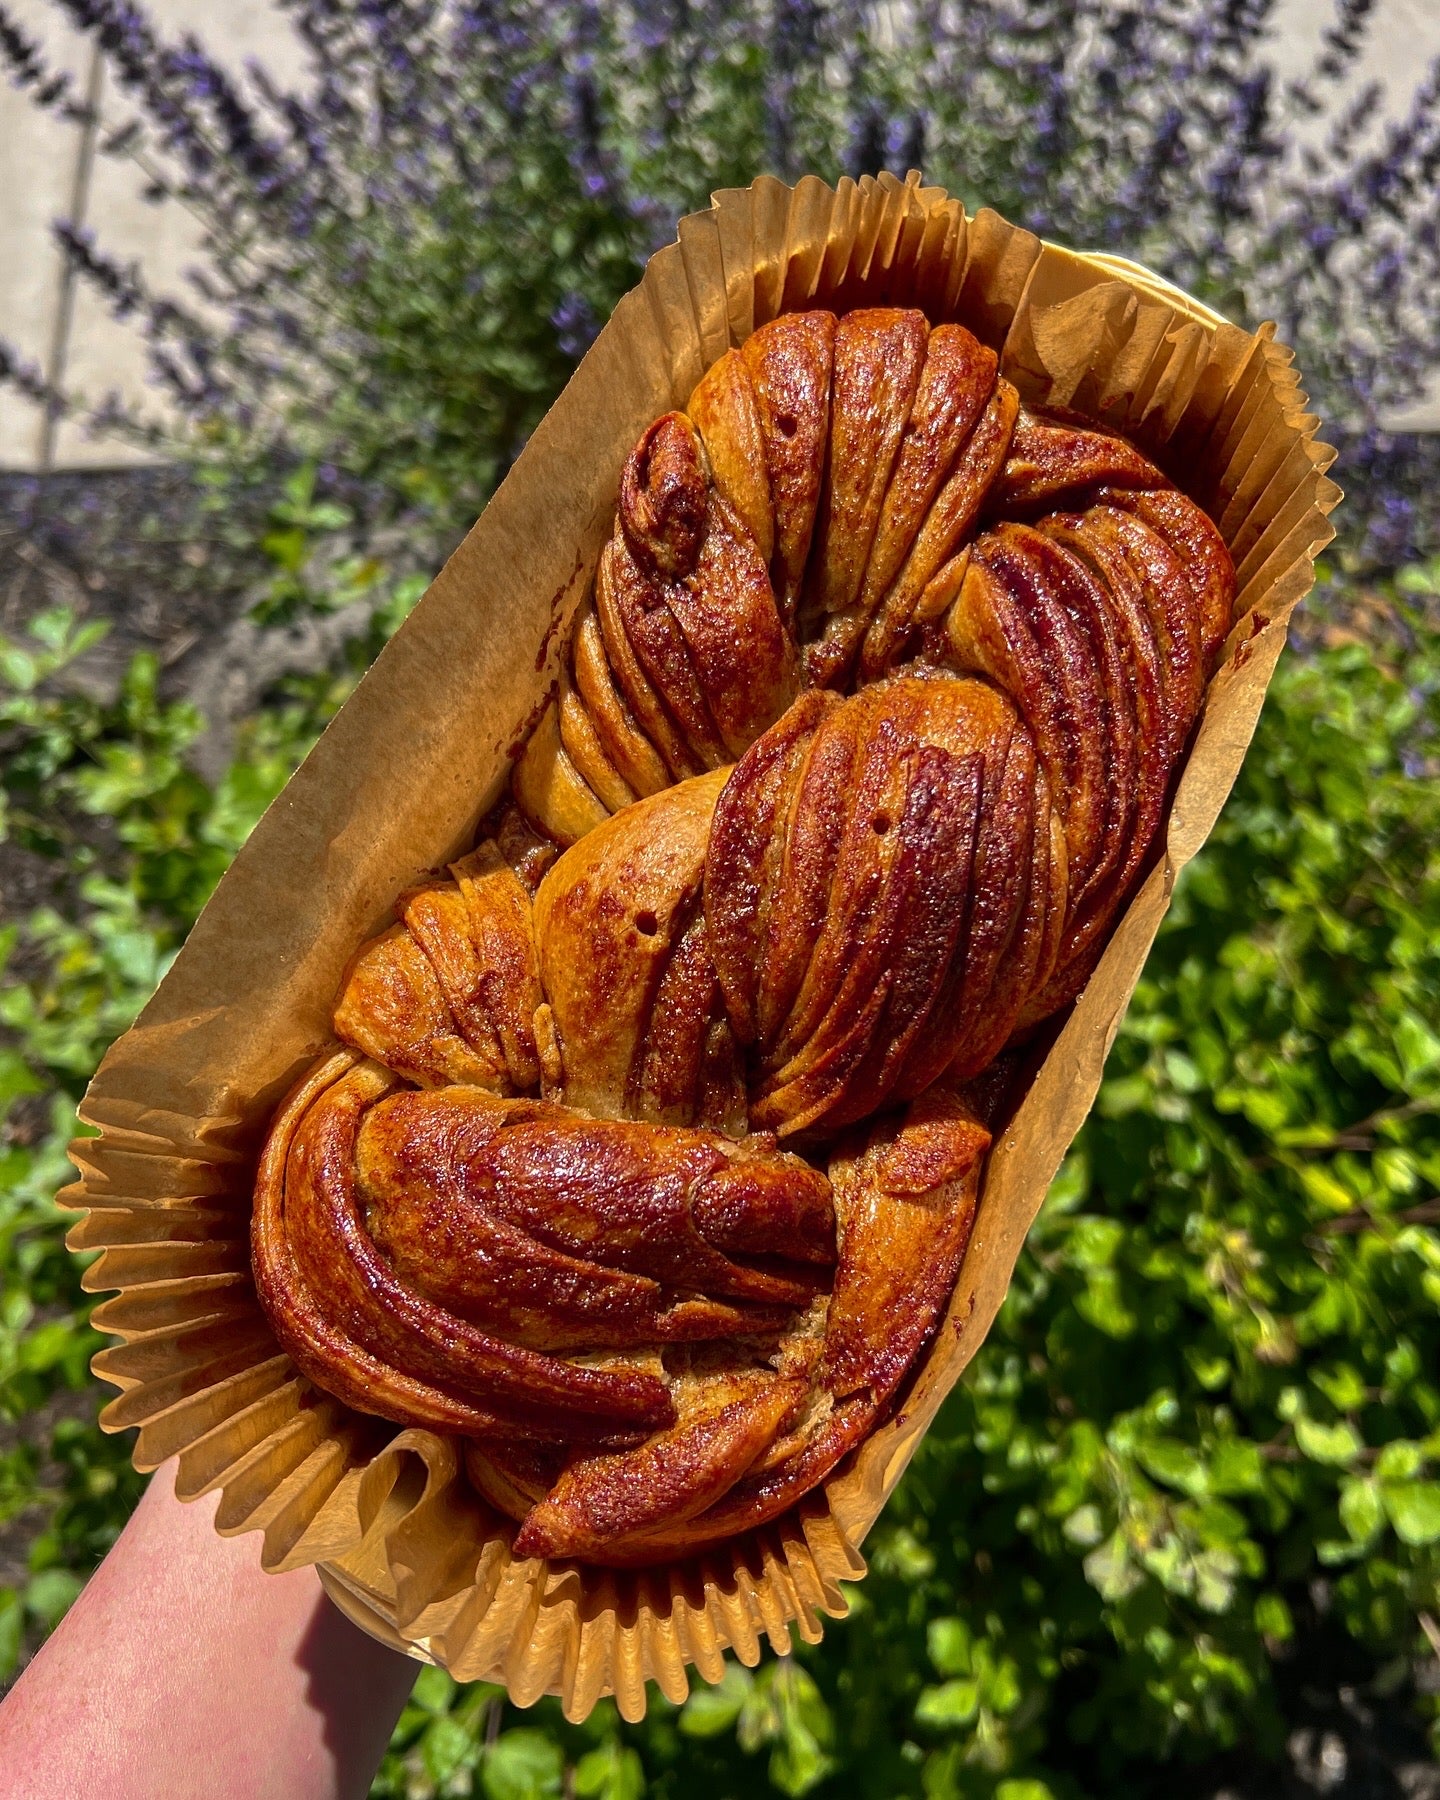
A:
654	1148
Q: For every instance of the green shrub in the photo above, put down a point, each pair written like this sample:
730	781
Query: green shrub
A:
102	789
1209	1415
1207	1423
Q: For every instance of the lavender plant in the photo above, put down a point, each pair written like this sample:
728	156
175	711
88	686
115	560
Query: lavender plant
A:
404	256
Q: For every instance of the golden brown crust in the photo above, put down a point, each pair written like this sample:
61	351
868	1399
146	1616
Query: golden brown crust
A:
879	356
610	918
624	743
727	415
815	512
549	789
602	1506
905	1195
790	363
933	570
450	992
342	1314
502	932
888	853
392	1007
859	747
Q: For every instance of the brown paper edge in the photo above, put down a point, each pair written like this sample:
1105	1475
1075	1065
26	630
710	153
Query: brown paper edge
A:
397	784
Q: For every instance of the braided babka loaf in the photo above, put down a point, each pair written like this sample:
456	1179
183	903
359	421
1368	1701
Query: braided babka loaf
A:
648	1166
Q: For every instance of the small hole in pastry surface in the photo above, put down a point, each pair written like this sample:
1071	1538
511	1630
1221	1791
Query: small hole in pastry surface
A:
646	923
786	424
880	824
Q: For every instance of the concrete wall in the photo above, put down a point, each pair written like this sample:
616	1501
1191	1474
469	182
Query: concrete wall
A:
47	170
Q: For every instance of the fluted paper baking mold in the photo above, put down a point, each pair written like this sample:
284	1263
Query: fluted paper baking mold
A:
398	784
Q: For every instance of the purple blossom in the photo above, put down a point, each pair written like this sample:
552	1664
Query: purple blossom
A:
26	377
410	248
575	324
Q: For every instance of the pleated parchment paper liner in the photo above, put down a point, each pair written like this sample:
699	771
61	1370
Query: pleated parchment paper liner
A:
397	785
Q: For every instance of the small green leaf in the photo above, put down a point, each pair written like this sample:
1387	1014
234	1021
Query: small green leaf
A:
286	548
797	1764
446	1748
1110	1571
1002	1691
1414	1509
1419	578
711	1710
1209	1369
898	1551
1401	1460
1361	1512
948	1642
613	1772
1175	1463
1216	1573
801	1758
1084	1526
1237	1467
1272	1617
1418	1045
49	1345
1343	1386
1338	1444
52	627
950	1705
17	670
522	1765
1095	1242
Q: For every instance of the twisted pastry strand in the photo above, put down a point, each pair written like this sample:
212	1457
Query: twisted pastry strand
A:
656	1165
